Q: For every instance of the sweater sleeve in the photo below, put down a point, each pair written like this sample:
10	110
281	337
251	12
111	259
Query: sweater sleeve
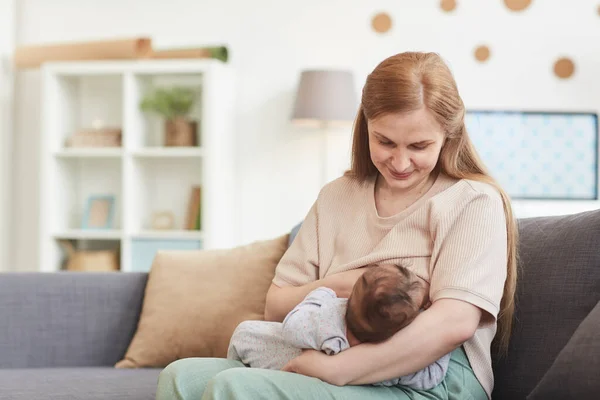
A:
300	263
469	257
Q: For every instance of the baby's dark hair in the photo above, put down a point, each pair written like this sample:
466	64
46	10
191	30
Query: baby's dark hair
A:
381	302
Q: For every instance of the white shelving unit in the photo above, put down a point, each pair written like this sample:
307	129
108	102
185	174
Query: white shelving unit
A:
143	175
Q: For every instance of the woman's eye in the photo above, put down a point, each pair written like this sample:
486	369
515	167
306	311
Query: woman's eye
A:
419	146
384	143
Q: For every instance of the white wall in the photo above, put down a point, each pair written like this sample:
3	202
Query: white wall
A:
7	41
271	41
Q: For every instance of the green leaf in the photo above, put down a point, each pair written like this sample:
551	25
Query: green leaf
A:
176	101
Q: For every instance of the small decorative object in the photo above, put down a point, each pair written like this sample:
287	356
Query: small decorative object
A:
99	212
564	68
448	5
482	53
517	5
163	220
174	105
97	136
90	260
381	23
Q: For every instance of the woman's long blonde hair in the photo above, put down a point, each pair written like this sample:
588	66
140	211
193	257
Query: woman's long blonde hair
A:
407	82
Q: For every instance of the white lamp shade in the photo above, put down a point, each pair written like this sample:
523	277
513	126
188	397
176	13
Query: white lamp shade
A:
325	97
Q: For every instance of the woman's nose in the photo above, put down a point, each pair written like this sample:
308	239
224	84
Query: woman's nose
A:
401	162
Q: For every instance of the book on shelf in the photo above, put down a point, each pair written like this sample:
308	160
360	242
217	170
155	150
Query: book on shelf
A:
194	220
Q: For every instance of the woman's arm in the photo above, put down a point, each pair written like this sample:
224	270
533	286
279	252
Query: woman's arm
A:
435	332
281	300
447	324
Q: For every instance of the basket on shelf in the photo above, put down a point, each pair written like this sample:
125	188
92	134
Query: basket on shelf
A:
90	260
103	137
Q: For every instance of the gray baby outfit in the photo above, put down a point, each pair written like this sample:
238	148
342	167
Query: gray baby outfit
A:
319	323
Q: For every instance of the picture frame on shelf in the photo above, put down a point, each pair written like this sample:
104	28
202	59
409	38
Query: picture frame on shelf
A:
99	212
163	220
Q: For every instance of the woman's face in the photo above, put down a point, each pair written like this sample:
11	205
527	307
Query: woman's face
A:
405	147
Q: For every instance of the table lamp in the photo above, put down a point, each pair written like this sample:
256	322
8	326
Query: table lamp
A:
325	98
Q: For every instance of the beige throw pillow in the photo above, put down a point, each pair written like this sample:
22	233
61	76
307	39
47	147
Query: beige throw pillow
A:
195	299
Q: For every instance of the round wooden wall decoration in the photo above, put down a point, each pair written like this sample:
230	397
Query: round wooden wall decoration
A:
381	23
482	53
564	68
448	5
517	5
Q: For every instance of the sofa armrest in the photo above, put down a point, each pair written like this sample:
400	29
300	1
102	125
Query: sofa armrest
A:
68	318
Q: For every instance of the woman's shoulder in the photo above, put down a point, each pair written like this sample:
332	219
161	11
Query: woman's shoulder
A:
482	189
458	193
344	187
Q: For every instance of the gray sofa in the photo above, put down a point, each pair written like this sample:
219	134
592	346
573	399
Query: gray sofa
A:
60	334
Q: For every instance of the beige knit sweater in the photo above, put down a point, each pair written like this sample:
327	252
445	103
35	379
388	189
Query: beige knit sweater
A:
454	237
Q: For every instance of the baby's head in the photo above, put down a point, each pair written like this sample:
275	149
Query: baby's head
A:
384	300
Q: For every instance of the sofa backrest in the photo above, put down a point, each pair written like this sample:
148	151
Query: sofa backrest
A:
558	286
68	319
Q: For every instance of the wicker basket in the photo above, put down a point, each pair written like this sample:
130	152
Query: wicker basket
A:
105	137
90	260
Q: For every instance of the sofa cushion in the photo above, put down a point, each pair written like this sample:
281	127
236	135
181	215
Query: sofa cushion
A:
195	299
574	373
78	383
557	288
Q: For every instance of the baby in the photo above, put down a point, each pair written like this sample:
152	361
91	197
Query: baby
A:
384	300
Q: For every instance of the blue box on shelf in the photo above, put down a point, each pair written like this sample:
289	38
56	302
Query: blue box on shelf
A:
143	251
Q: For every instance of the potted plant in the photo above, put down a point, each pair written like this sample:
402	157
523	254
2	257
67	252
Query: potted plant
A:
174	105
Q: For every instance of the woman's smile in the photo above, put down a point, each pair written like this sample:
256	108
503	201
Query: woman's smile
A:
400	176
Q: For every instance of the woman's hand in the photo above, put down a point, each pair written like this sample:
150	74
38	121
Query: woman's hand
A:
315	364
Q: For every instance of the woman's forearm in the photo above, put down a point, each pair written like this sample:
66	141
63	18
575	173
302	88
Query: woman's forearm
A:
439	330
281	300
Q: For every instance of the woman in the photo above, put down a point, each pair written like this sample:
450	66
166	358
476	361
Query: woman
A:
417	194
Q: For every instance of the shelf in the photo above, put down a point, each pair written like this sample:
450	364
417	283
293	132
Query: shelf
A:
82	234
169	152
144	176
169	234
110	152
